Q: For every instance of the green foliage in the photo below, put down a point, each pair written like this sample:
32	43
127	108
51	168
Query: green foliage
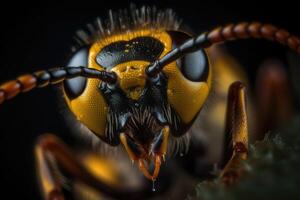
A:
272	170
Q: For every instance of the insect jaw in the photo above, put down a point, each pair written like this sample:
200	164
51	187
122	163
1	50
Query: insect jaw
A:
156	153
157	164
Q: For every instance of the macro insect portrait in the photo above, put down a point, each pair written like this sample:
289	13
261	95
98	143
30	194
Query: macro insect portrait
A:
144	107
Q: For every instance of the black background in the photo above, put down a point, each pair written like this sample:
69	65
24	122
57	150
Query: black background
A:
38	36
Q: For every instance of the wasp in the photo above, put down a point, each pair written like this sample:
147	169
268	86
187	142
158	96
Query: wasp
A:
138	81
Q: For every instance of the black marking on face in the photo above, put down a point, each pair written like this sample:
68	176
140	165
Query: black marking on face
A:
193	66
140	48
141	119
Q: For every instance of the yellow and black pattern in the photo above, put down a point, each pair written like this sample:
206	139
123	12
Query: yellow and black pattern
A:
127	50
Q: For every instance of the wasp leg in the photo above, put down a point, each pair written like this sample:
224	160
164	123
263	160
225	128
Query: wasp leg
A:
236	134
273	97
52	153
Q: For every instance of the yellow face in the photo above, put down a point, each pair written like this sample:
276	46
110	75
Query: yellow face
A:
184	97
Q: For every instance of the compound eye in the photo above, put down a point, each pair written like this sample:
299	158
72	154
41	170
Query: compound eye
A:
75	86
193	66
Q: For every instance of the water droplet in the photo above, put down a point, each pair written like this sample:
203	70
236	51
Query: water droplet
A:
153	186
